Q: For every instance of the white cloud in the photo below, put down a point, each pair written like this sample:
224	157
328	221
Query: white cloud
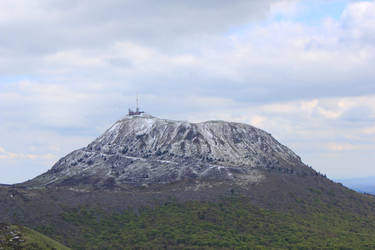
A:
17	156
285	8
359	18
368	131
79	70
73	58
258	120
341	147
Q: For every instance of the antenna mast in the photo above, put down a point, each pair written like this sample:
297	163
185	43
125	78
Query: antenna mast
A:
137	109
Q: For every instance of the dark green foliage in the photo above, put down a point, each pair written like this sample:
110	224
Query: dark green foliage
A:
231	223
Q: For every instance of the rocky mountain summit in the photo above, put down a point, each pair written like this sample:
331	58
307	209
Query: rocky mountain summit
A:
142	150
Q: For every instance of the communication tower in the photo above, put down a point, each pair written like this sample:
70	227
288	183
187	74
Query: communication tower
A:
137	110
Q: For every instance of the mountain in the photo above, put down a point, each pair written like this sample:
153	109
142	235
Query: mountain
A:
145	151
156	183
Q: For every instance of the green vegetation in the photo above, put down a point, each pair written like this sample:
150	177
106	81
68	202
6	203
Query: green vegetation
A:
19	237
231	223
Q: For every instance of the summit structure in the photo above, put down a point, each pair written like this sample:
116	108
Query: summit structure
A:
137	110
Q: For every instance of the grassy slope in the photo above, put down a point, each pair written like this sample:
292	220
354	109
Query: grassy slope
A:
233	222
30	239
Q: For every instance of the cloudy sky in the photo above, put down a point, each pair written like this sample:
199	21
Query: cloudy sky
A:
302	70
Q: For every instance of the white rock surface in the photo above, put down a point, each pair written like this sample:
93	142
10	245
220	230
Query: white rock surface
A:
143	149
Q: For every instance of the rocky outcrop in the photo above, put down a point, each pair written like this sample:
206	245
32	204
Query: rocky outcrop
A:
10	238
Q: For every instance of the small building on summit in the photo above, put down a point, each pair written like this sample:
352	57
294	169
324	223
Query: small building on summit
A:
136	112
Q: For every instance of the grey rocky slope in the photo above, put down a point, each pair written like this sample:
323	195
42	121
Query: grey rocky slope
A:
143	150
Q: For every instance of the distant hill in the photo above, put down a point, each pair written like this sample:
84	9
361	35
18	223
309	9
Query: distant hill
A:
156	183
362	185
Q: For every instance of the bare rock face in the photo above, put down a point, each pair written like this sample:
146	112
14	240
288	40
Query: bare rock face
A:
143	150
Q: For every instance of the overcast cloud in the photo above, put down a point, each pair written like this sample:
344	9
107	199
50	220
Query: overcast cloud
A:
302	71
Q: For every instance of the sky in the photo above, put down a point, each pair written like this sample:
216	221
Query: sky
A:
302	70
